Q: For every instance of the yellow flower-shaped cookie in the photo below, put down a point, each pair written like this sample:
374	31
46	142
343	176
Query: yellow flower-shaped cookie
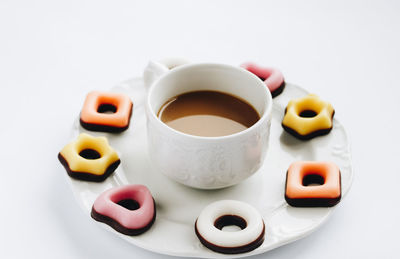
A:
89	158
308	117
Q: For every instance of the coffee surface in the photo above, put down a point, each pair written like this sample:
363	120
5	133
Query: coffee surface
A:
208	114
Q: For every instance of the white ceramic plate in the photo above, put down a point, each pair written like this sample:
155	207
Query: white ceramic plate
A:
178	206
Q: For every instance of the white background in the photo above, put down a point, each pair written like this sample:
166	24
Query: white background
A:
52	53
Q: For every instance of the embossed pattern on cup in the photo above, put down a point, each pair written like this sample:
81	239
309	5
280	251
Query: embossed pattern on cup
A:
208	165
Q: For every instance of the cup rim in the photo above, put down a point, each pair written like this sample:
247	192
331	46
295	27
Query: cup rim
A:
267	111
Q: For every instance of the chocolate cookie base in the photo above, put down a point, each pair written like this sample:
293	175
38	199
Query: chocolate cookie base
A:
118	227
105	128
231	250
88	176
314	202
313	134
306	137
278	90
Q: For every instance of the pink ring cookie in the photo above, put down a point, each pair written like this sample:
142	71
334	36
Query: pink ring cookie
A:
272	77
129	209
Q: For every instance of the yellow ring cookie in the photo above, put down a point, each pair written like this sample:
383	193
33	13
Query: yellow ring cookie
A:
89	158
308	117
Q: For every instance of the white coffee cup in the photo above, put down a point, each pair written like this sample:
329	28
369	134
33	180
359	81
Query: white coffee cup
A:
206	162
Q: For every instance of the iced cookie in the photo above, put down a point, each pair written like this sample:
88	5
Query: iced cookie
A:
272	77
107	112
128	209
89	158
313	184
217	215
308	117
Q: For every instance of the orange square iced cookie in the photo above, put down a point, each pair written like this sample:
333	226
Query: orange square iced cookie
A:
108	112
313	184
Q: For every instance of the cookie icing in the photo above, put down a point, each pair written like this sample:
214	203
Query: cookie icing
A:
242	214
107	209
104	111
84	167
272	77
326	194
308	117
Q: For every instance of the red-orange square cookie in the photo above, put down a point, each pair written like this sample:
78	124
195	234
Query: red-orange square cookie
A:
108	112
313	184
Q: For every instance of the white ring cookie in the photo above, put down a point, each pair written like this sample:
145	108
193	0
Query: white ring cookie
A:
229	212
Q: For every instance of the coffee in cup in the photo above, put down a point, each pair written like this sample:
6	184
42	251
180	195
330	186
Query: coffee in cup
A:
208	113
